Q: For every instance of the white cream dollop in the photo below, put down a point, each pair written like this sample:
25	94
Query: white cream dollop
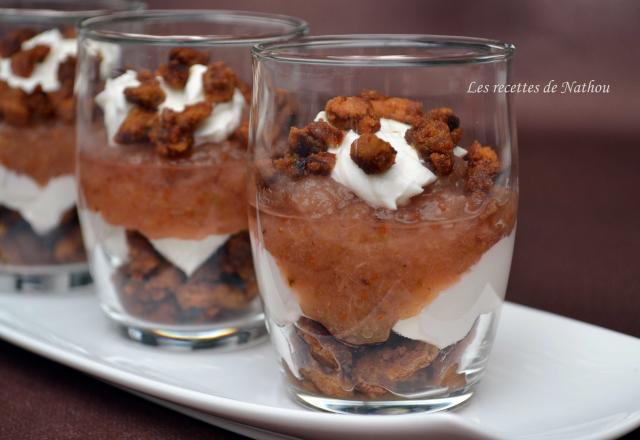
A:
188	255
458	151
225	117
405	179
109	55
193	92
45	73
113	103
223	120
450	317
41	206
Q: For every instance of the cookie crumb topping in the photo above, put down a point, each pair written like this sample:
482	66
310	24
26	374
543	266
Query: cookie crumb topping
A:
372	154
434	134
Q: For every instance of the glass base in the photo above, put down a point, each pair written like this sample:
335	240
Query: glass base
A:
219	337
384	407
49	279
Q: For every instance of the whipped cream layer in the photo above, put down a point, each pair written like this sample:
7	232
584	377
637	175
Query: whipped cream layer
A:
450	317
186	255
102	273
280	303
406	178
45	74
97	232
224	119
41	206
112	252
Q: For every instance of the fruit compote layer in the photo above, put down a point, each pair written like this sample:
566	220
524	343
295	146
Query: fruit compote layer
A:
185	198
41	151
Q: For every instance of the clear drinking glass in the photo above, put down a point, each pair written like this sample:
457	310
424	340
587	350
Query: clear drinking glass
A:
162	167
383	204
40	242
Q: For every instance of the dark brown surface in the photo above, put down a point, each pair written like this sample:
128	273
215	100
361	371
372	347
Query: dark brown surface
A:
40	399
578	241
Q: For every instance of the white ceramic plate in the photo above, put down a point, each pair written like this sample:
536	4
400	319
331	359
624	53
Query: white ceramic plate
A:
549	378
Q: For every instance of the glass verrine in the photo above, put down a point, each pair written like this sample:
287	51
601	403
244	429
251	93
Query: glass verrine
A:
161	169
40	242
383	204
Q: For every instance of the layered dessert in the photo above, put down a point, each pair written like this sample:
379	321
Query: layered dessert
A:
381	239
163	190
38	222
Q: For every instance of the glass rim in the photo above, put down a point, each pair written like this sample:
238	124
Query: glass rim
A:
89	27
49	13
481	50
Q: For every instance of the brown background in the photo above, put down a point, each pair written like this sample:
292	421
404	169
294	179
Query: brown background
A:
578	242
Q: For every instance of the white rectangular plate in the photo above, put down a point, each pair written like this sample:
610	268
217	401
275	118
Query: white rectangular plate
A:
549	378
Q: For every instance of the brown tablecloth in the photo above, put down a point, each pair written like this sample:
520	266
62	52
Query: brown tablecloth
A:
578	232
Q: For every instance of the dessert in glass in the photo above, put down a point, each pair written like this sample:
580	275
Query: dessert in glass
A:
162	170
383	204
40	241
